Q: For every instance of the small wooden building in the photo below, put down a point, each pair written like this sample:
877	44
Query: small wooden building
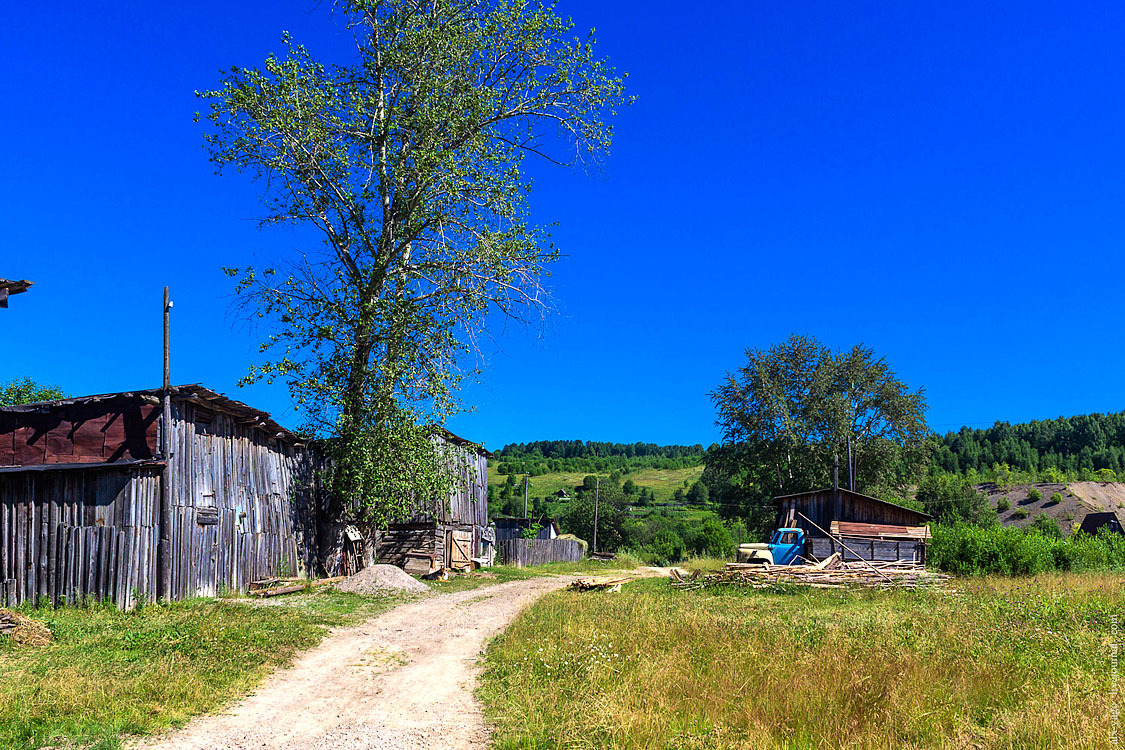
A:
447	533
1095	522
870	528
83	494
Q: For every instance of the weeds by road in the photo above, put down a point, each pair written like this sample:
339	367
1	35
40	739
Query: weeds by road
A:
1013	663
109	673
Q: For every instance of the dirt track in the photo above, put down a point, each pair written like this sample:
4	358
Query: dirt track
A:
401	680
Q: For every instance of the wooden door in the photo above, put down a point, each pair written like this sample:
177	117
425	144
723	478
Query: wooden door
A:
461	549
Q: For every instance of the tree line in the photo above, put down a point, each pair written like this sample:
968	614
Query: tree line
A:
553	456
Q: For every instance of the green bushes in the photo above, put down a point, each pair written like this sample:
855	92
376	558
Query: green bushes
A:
1003	504
1010	550
1055	499
1020	513
1034	495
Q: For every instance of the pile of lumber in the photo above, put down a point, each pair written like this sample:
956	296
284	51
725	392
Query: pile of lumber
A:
279	586
831	573
609	583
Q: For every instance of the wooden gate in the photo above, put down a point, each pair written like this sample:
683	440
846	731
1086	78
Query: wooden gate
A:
459	549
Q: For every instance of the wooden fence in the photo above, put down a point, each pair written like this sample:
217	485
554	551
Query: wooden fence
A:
539	551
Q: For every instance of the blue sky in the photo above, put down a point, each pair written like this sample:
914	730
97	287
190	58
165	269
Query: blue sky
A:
941	181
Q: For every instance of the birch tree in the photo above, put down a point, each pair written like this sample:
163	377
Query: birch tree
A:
409	163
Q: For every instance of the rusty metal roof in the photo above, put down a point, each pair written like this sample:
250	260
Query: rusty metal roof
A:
193	393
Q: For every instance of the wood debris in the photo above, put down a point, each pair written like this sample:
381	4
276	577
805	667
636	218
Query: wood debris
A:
609	583
22	630
831	573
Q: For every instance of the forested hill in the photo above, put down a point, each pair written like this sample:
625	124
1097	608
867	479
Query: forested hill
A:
550	456
1074	446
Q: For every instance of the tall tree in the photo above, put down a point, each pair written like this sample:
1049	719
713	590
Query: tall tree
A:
409	163
27	391
792	408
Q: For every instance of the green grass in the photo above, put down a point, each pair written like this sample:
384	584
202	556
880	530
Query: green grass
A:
109	673
663	482
1018	663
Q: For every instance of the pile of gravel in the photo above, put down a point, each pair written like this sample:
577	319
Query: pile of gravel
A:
379	579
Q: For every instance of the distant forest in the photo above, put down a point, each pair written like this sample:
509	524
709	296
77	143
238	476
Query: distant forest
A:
1091	446
552	456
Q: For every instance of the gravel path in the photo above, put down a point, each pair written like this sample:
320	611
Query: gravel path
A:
399	681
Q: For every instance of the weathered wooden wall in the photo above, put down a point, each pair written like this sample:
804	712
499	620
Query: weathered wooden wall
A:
394	544
242	503
539	551
885	550
76	535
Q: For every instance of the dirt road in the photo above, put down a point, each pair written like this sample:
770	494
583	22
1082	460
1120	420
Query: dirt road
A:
399	681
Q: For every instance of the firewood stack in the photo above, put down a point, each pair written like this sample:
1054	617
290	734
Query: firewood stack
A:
832	573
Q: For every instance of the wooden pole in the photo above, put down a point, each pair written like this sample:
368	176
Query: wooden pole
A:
841	543
526	479
165	557
597	493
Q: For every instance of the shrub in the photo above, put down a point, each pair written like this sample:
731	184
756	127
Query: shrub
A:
1003	504
1055	499
1047	526
1034	495
1010	550
1020	513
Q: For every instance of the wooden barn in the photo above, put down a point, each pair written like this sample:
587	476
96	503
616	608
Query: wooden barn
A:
91	507
449	533
868	527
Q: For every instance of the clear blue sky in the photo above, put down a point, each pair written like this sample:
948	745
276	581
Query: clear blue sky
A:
944	182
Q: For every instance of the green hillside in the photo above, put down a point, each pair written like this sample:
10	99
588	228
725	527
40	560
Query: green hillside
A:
662	482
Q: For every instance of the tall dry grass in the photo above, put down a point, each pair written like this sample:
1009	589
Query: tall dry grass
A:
994	663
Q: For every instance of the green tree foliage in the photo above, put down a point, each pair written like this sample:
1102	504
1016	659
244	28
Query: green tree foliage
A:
554	456
1047	526
27	391
1010	550
791	408
713	539
698	493
1052	450
952	499
408	161
577	517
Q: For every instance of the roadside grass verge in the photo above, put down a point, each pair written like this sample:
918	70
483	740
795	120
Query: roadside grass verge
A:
498	574
108	674
1019	663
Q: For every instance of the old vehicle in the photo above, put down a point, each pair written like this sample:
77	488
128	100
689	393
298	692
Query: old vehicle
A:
784	548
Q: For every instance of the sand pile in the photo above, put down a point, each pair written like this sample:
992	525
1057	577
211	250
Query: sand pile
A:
22	630
380	579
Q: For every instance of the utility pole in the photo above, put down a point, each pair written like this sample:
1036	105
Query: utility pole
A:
597	495
851	466
165	558
526	480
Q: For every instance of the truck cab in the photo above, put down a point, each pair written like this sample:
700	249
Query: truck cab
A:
783	548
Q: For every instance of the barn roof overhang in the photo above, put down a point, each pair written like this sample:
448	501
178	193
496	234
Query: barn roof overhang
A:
9	287
781	498
461	442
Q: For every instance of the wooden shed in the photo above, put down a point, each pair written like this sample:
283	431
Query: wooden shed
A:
882	530
83	495
446	533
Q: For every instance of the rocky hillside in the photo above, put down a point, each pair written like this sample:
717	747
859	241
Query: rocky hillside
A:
1068	504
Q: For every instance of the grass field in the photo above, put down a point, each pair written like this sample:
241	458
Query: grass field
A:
109	673
663	482
995	663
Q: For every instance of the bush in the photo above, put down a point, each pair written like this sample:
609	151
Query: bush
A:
1020	513
1034	495
1010	550
1047	526
952	499
1055	499
1003	504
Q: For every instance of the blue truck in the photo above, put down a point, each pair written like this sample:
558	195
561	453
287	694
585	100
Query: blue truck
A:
785	547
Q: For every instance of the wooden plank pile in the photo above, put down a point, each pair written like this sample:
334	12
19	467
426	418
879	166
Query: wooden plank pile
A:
831	573
608	583
277	586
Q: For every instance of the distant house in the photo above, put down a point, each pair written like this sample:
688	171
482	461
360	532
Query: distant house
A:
1095	522
513	528
881	530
